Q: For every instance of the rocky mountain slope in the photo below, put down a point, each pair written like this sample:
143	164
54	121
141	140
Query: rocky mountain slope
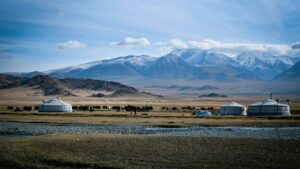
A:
53	86
292	74
184	64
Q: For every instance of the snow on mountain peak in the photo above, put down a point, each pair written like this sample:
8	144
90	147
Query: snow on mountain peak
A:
138	60
252	58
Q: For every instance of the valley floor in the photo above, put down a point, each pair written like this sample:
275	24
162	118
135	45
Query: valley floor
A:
207	148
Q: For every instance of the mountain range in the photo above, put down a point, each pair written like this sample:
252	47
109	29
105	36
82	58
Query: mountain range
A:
187	64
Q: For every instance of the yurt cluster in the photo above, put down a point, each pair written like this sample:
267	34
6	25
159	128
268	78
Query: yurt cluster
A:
268	107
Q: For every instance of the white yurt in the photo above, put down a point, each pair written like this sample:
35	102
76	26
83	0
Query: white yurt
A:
233	108
268	107
55	105
203	113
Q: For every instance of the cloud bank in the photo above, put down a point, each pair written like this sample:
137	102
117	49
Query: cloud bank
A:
222	47
230	49
129	41
72	44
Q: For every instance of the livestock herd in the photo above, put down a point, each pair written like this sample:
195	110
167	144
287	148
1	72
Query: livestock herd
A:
127	108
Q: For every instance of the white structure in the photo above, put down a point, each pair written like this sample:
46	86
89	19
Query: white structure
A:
203	113
268	107
233	108
55	105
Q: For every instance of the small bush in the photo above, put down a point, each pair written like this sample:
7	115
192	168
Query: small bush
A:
27	108
36	107
18	109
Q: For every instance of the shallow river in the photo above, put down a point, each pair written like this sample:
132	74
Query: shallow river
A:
34	129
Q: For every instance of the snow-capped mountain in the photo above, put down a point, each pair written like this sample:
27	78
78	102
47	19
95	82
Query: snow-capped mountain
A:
197	64
219	66
134	60
182	64
264	65
140	60
172	66
127	66
200	57
294	55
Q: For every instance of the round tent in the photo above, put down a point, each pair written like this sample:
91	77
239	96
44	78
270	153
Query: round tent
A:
233	108
55	105
203	113
268	107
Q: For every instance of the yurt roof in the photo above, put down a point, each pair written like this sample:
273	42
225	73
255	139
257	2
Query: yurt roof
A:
55	102
233	104
268	102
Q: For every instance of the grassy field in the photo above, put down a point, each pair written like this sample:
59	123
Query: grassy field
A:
149	118
132	151
157	103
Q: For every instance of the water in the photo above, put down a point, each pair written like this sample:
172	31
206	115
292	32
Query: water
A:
35	129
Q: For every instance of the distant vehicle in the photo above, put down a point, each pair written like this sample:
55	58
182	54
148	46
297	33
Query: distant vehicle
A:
203	113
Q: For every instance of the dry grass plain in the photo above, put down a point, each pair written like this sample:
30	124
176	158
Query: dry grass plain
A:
27	96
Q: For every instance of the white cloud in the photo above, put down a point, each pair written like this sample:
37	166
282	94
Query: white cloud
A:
72	44
222	47
129	41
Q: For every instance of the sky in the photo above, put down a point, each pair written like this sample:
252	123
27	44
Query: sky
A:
43	35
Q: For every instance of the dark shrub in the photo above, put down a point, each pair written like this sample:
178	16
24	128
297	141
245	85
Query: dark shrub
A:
36	107
27	108
118	108
84	108
96	107
18	109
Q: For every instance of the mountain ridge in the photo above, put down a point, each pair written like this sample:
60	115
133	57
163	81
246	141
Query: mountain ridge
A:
292	74
185	64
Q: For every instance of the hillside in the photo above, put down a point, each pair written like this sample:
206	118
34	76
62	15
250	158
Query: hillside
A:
292	74
52	86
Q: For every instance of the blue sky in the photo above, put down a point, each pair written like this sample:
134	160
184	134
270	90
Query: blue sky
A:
43	35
